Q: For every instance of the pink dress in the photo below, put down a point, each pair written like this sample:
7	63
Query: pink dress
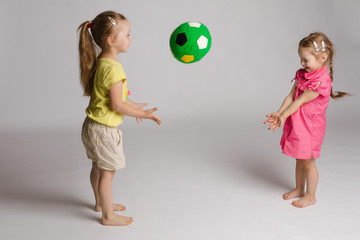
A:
304	130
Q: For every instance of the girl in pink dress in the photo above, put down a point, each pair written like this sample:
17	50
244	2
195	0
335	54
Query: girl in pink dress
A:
303	114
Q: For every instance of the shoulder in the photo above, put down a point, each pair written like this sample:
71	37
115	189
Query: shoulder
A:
107	64
321	79
108	72
321	83
324	77
110	68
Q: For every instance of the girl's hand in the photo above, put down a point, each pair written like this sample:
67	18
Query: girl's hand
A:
271	117
150	115
140	106
275	121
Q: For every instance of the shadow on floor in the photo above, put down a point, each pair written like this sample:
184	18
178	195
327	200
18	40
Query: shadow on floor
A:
36	172
262	169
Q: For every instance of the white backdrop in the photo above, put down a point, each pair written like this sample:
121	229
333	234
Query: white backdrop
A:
245	75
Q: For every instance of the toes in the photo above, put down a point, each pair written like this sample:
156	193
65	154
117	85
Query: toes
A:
119	207
295	203
299	204
130	221
286	196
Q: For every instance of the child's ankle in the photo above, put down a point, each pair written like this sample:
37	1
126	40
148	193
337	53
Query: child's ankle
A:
310	195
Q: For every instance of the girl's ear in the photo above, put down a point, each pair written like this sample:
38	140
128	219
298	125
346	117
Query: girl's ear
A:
110	40
324	57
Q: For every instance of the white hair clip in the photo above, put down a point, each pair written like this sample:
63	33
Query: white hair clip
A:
316	47
323	46
112	21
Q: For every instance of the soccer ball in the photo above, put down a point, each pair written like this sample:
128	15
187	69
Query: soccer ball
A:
190	42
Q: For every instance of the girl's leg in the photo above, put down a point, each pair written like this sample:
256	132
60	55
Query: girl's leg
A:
312	178
94	179
105	195
299	190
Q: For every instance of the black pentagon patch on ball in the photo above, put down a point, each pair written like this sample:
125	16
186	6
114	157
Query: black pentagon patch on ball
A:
181	39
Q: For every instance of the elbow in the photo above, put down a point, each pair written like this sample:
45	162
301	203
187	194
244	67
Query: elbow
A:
113	106
116	106
290	97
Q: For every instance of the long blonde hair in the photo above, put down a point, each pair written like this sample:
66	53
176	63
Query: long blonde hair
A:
318	37
101	27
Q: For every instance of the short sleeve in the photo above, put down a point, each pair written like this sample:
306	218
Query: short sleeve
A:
323	89
113	75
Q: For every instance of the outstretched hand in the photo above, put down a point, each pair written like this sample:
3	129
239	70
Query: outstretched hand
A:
150	115
275	121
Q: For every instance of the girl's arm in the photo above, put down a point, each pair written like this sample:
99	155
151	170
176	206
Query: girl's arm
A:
305	97
116	103
289	99
137	106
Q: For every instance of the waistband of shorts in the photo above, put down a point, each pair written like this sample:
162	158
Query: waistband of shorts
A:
92	121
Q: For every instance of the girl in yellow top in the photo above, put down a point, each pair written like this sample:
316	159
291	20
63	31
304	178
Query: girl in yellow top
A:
104	80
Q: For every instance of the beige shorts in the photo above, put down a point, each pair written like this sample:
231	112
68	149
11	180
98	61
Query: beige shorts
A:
103	145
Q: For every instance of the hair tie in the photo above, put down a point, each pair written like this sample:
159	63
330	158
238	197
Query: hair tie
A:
89	25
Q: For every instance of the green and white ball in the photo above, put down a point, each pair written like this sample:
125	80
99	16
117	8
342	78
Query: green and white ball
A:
190	42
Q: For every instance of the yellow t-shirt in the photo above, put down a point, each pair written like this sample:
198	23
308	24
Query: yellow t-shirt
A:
108	72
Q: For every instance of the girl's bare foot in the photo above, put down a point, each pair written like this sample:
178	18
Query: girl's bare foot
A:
117	220
116	207
307	200
293	194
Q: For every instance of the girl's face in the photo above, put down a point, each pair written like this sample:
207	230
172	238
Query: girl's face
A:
309	62
122	38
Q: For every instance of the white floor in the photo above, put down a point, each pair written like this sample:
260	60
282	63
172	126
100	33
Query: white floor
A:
216	181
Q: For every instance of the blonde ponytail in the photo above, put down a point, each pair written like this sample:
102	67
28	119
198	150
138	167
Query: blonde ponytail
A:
90	44
87	57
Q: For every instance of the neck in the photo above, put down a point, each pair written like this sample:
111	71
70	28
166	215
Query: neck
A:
109	54
322	66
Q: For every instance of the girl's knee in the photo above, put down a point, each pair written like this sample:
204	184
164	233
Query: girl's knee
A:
309	164
306	163
106	173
